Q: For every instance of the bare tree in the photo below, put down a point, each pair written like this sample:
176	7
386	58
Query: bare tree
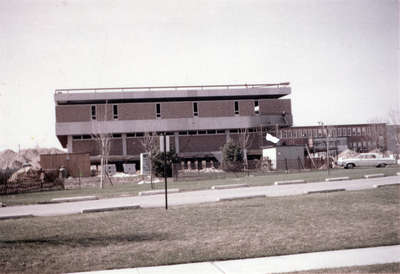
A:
149	142
244	142
103	139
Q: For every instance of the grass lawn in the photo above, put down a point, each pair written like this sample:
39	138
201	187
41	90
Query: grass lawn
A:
255	179
217	231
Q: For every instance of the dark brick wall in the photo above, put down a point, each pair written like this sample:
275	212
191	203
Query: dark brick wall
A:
169	110
275	106
137	111
172	110
116	146
134	146
216	108
85	146
246	107
76	113
201	143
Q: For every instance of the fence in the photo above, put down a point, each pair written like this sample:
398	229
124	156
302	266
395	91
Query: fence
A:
14	188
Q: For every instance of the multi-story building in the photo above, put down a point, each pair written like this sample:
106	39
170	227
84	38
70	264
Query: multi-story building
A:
358	137
198	119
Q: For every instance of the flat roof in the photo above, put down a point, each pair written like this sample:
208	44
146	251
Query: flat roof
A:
170	93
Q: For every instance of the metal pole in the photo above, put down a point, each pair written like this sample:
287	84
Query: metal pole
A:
165	171
327	148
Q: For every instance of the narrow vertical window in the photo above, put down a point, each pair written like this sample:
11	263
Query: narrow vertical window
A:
256	107
195	109
93	112
236	108
115	112
158	110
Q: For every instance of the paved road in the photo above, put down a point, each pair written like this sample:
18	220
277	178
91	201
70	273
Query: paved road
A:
297	262
193	197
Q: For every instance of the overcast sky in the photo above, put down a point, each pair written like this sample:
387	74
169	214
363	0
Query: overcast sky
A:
341	57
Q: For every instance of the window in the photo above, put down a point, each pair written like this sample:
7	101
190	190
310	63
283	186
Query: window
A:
284	134
93	112
130	134
192	132
158	111
349	131
139	134
115	112
256	107
358	131
183	132
116	135
363	131
220	131
77	137
86	137
195	109
202	132
211	131
339	132
289	133
236	108
234	131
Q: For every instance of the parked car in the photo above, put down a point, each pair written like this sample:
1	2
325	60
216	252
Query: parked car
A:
367	160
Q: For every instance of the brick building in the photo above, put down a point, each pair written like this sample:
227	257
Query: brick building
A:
358	137
198	119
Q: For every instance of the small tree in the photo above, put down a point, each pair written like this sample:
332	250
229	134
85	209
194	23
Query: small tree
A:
244	142
158	162
149	142
103	138
232	157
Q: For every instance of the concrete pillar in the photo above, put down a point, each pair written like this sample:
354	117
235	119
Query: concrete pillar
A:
123	135
176	142
69	144
227	134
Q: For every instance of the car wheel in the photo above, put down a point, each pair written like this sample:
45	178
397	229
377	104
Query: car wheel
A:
350	165
382	165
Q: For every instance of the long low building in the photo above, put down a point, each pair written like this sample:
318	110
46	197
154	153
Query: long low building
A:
198	119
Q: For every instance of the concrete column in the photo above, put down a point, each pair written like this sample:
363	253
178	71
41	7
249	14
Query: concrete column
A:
123	135
69	144
176	142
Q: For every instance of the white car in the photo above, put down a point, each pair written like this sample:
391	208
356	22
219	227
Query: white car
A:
366	160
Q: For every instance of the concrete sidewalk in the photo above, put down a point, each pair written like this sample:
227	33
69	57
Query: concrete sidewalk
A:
192	197
287	263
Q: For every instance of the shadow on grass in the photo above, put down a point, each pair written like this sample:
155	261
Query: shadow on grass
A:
90	241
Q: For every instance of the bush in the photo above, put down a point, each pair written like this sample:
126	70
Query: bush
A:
232	157
158	162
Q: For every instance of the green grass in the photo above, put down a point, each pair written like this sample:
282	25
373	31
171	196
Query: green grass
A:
255	179
217	231
375	268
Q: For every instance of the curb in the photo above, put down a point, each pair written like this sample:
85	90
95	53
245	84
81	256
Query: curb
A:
241	197
70	199
290	182
382	185
337	179
104	209
376	175
229	186
325	191
158	191
11	217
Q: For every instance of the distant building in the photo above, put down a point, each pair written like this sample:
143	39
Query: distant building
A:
357	137
198	119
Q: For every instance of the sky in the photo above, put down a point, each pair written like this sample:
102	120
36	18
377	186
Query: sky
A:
341	57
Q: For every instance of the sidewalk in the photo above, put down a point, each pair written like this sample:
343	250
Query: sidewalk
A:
287	263
190	197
